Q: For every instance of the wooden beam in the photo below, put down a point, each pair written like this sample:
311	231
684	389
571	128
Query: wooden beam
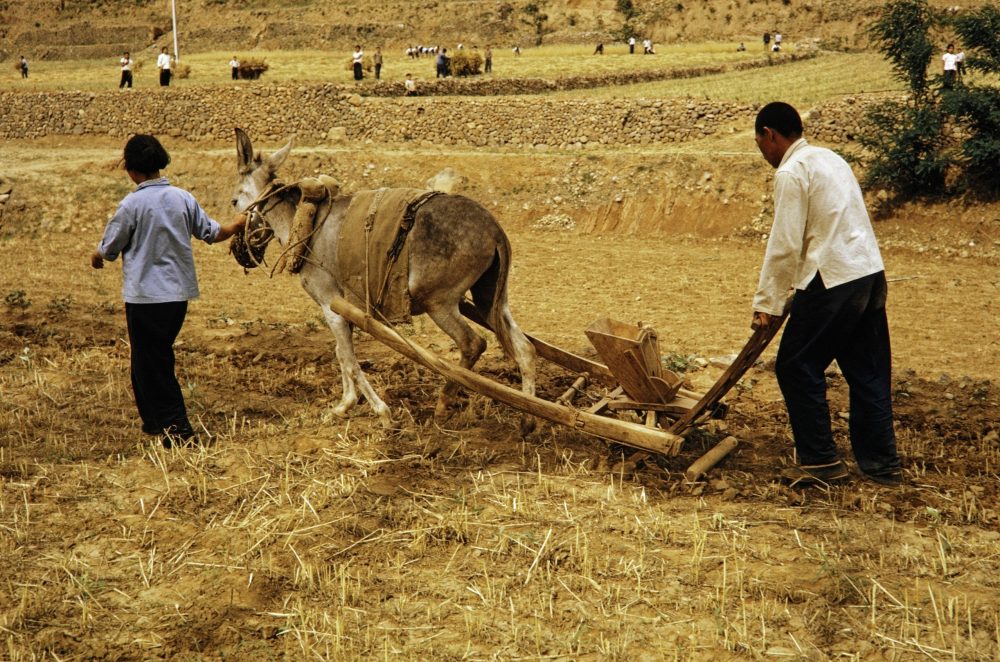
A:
623	432
711	458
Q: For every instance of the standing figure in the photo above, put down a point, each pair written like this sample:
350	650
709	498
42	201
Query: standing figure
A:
441	63
234	68
950	61
356	59
823	245
777	40
152	230
163	64
410	86
23	66
377	59
126	64
631	45
767	39
959	66
488	59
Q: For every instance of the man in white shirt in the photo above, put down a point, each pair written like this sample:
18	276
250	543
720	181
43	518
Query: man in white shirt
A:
822	244
950	66
126	63
234	68
163	64
631	45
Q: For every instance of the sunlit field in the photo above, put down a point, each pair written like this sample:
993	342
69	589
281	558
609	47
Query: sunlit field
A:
209	68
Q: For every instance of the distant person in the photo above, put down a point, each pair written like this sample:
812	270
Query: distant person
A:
163	64
767	40
741	47
516	50
599	50
950	61
488	59
377	59
234	68
959	65
152	230
23	66
647	47
441	63
631	45
410	86
775	48
822	244
126	65
777	40
356	61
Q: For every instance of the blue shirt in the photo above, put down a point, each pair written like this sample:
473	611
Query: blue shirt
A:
152	230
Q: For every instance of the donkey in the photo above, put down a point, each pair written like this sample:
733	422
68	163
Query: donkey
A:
455	246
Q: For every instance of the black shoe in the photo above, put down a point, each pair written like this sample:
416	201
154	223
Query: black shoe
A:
891	477
151	429
815	474
178	436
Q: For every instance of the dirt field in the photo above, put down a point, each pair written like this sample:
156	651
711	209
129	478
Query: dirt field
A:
297	535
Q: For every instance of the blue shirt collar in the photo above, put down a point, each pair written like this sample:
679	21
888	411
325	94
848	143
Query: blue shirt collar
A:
160	181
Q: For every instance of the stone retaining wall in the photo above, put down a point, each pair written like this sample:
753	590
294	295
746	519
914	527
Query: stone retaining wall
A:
328	112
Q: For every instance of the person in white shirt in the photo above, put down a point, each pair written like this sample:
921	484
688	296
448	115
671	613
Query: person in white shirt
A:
959	65
777	39
631	45
126	64
410	86
234	67
950	66
822	244
163	64
356	60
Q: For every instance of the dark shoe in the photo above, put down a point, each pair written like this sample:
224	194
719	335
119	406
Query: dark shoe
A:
174	436
151	429
892	477
815	474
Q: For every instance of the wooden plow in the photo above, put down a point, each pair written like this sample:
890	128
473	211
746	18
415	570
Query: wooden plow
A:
632	376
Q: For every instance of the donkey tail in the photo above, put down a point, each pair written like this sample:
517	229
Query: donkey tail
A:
489	294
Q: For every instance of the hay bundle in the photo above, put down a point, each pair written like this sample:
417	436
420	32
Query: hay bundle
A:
251	68
466	63
181	70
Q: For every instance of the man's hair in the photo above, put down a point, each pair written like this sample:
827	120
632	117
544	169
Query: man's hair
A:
780	117
145	154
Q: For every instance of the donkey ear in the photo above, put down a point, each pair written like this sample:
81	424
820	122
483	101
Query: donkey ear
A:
275	160
244	152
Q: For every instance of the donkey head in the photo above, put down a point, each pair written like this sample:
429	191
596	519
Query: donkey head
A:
255	172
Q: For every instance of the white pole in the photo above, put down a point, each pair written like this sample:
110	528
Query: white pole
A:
173	14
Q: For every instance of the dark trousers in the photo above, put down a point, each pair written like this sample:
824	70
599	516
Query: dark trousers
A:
126	80
848	324
152	329
378	71
488	66
236	72
164	77
357	71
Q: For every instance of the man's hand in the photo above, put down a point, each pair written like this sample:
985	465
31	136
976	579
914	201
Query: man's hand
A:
227	231
760	320
97	260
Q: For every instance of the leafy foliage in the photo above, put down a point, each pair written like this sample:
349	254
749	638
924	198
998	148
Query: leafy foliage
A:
977	109
907	142
901	33
980	32
539	20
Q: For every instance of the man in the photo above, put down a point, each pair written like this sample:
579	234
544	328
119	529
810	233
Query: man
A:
822	244
163	64
126	79
950	66
631	45
357	59
488	59
377	59
410	86
234	68
441	63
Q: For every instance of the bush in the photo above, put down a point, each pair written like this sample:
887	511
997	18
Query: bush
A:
907	143
466	63
251	68
181	70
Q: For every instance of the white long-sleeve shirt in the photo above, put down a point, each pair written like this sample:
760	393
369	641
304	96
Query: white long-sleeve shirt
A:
820	225
163	61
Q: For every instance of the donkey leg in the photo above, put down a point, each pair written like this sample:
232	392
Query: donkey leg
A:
470	344
352	376
525	357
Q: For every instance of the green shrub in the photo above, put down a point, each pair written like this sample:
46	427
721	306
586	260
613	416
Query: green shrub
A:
907	144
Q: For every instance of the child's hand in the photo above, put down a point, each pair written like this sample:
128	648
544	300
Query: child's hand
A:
97	260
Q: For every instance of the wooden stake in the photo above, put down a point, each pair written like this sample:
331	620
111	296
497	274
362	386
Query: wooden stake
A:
711	458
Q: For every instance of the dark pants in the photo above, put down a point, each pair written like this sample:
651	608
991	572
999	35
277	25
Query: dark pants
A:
152	329
949	78
378	71
357	71
126	80
488	66
236	73
164	77
848	324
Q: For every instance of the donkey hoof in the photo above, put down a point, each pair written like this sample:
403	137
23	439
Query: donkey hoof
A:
342	410
528	425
